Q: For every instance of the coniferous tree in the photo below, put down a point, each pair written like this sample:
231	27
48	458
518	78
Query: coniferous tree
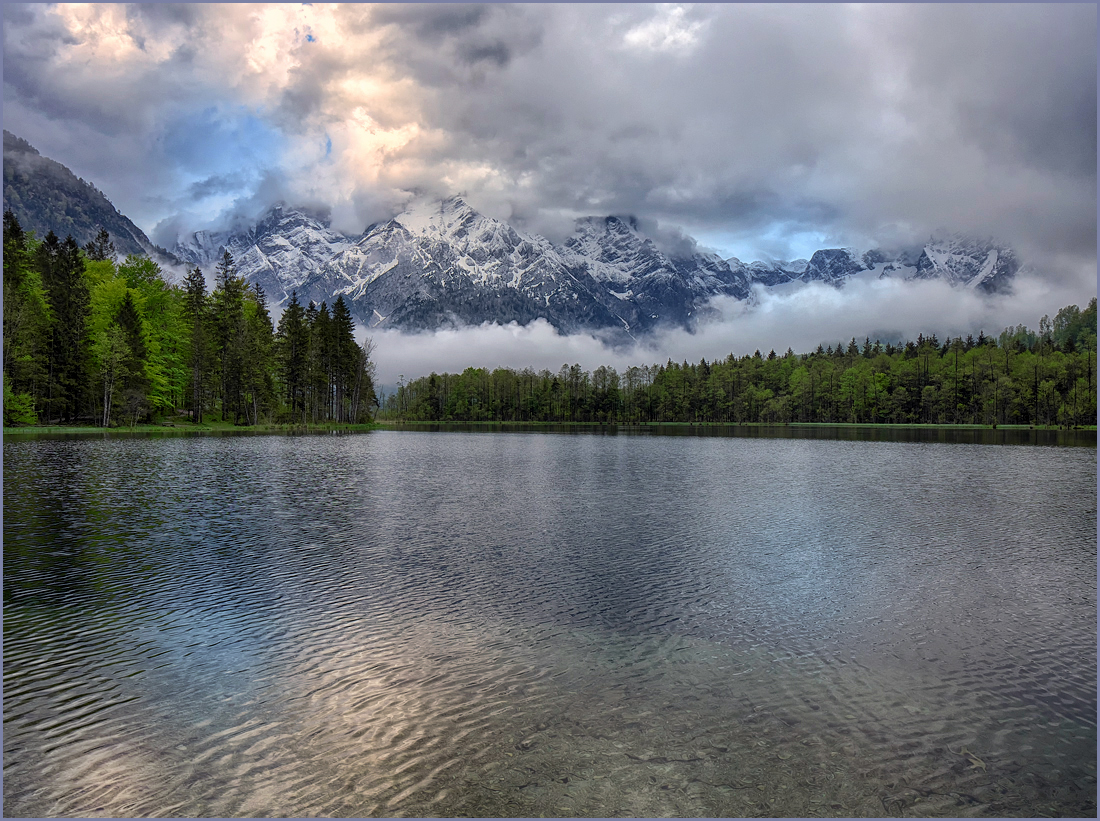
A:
313	349
132	372
196	310
62	268
26	326
345	357
26	309
256	365
228	337
100	249
292	341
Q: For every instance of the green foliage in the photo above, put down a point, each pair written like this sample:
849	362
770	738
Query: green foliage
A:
18	408
27	315
62	268
92	339
100	249
1023	380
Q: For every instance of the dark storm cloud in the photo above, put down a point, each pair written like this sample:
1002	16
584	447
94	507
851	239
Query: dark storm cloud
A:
1036	100
497	53
853	121
760	124
434	22
217	184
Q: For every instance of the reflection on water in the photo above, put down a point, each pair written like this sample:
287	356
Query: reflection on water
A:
418	624
843	433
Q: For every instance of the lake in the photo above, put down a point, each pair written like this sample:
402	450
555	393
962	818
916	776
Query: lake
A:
410	623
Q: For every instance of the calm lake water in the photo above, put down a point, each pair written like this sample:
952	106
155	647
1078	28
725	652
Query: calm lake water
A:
440	624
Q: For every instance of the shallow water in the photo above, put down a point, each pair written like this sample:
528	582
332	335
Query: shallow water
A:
441	624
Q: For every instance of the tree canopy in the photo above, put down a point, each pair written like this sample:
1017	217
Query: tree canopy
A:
88	338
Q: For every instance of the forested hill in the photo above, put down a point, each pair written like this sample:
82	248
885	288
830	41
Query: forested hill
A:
46	196
1022	376
89	339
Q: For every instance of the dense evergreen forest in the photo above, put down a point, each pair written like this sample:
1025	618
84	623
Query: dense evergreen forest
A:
1020	377
88	340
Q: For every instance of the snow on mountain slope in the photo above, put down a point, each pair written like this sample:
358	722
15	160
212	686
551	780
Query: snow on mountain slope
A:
974	263
442	262
280	251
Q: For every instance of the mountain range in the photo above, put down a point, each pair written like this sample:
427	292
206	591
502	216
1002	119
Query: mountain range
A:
441	262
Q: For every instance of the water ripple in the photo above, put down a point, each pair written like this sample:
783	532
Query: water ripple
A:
455	624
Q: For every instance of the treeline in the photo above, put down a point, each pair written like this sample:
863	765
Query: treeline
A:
1020	377
88	340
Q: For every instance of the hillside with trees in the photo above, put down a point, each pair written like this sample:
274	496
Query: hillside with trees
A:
46	196
90	340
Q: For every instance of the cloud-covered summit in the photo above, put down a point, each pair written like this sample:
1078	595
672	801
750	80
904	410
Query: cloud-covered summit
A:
761	130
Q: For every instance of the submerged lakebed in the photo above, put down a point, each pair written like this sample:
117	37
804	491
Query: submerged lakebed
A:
414	623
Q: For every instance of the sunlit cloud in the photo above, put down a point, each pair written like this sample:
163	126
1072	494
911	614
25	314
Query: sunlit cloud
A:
770	122
764	131
667	31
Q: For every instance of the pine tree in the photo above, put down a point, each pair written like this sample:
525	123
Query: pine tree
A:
257	353
345	356
100	249
26	326
321	346
132	373
228	336
197	312
62	268
292	342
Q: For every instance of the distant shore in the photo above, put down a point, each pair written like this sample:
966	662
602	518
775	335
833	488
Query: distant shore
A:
388	424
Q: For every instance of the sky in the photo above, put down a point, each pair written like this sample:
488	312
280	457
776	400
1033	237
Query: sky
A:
763	131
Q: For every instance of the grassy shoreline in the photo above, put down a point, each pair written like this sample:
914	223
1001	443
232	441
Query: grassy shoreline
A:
187	428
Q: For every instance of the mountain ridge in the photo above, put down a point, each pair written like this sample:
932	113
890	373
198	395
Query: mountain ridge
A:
46	196
441	262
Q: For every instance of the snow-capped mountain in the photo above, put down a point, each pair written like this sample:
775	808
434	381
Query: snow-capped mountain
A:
770	273
280	252
980	264
657	286
959	260
442	262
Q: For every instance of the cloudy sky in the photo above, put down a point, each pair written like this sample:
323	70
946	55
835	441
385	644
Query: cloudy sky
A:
761	130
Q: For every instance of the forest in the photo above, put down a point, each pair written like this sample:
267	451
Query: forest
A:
1021	377
88	340
92	341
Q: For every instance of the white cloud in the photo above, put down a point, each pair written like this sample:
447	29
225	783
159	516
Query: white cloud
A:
800	318
667	31
770	123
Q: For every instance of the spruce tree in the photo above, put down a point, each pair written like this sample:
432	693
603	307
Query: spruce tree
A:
62	268
345	356
197	312
228	337
134	383
26	313
100	249
292	341
257	353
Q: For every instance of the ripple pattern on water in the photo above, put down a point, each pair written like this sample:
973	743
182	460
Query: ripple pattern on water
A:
458	624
